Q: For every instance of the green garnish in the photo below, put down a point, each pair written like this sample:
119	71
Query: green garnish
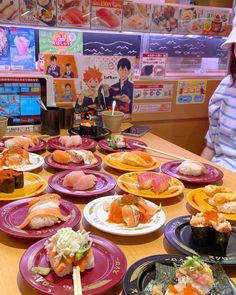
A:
194	262
41	270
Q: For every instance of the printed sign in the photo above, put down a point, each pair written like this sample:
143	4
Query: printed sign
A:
156	91
106	14
60	42
157	107
64	90
191	91
22	49
73	13
153	65
4	49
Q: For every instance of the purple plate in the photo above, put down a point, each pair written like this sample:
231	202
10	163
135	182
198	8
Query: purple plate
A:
130	141
212	175
13	214
104	184
37	148
110	266
71	166
87	144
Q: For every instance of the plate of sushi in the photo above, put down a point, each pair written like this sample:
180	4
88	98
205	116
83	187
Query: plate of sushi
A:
38	217
81	183
150	184
131	161
20	160
124	215
214	197
31	143
119	143
207	234
72	159
73	142
173	274
16	185
99	134
102	264
191	171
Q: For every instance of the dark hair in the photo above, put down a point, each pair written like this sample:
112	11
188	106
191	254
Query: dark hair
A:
67	65
124	62
67	84
232	65
53	57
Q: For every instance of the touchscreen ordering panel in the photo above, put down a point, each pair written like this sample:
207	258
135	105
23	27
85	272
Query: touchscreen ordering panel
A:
19	99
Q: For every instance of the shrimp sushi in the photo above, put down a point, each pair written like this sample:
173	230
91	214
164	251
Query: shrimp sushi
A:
44	211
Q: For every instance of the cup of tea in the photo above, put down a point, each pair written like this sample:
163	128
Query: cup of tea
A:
112	121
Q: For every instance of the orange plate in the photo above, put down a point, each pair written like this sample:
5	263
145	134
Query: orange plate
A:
198	199
128	182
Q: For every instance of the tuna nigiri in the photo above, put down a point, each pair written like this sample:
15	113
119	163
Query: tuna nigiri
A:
73	15
44	211
151	180
108	18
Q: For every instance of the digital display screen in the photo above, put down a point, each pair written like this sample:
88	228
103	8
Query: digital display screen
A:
19	100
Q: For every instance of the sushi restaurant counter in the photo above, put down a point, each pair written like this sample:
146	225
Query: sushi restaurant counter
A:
134	247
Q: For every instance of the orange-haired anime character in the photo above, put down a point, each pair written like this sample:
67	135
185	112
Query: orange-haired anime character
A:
90	97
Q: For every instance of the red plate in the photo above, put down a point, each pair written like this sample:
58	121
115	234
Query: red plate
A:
130	142
104	184
71	166
37	148
13	214
87	144
110	267
212	173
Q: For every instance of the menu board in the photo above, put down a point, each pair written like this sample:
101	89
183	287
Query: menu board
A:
38	12
73	13
60	42
9	11
4	49
106	14
153	91
22	49
136	16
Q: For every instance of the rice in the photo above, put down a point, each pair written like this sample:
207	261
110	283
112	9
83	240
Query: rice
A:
39	222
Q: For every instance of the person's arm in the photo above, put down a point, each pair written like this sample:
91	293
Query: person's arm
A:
208	153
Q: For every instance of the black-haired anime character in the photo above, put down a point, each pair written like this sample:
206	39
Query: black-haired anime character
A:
122	91
53	69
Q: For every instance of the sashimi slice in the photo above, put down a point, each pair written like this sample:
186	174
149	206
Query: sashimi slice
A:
108	18
44	197
76	140
72	178
43	213
160	183
145	179
115	214
85	182
45	204
130	215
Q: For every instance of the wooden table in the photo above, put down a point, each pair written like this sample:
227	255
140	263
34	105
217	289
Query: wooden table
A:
135	248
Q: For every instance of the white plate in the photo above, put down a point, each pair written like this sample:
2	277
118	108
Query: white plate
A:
35	160
97	216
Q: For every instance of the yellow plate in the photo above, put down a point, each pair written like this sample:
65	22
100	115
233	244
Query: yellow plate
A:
33	185
128	182
199	200
114	161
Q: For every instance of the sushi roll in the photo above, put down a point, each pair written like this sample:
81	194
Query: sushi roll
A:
88	127
19	178
11	180
68	248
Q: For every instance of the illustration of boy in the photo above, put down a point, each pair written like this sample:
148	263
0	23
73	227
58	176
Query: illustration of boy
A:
90	97
122	91
68	73
53	69
67	96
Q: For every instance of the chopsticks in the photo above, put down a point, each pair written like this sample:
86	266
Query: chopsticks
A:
161	152
77	281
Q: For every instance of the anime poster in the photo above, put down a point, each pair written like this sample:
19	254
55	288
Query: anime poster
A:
22	49
106	14
165	19
216	21
4	49
9	11
191	91
153	65
60	66
38	12
73	13
64	90
60	42
104	79
136	17
191	20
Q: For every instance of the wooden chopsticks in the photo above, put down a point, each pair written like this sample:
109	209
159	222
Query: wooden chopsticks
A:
77	281
161	152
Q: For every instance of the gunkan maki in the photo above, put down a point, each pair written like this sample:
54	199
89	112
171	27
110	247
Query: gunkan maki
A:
11	180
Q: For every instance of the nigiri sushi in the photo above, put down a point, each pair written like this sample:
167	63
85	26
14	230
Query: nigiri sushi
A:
43	211
151	180
107	18
14	156
138	159
68	248
24	141
191	168
67	141
62	157
79	181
